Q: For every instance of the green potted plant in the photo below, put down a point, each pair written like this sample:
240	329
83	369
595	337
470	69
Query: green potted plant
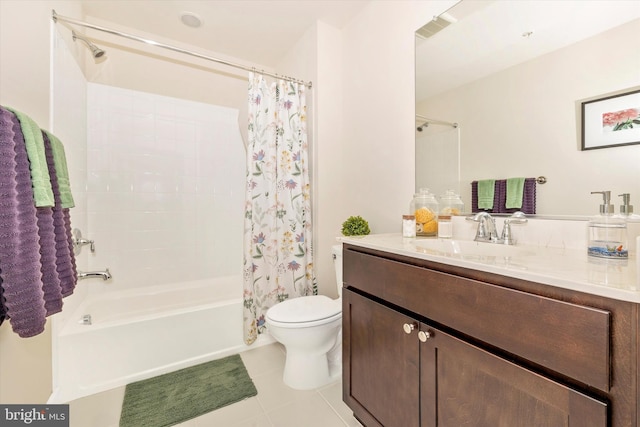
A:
355	226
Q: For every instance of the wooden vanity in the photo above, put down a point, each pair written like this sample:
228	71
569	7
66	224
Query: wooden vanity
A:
429	343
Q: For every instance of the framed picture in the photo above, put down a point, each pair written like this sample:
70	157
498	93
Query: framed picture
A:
612	121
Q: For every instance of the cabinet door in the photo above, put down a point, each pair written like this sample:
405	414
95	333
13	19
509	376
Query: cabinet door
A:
380	363
463	385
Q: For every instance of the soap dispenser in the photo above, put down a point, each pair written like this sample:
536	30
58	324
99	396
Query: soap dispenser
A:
607	232
625	207
633	226
626	210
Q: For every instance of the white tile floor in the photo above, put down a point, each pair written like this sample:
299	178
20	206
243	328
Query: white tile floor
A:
276	405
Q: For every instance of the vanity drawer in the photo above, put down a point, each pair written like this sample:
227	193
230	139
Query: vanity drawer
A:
570	339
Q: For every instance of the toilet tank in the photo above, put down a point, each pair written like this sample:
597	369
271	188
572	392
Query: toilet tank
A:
336	252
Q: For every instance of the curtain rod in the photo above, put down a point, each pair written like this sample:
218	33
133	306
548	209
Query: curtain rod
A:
420	117
57	18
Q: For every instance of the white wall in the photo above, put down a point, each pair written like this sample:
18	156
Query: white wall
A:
329	167
363	121
137	66
525	121
25	363
378	112
165	189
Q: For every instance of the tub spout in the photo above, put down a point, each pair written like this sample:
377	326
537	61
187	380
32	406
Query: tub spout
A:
105	275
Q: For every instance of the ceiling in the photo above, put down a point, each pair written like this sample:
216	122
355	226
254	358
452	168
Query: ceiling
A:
487	37
490	35
257	31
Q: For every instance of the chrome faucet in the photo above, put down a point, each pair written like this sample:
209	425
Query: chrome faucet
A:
105	275
488	232
516	218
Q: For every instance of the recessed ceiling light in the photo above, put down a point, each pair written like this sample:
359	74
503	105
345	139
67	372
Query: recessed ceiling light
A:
190	19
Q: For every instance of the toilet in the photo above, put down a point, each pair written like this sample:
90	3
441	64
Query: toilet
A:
310	329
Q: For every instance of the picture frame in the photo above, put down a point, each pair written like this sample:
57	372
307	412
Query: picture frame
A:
612	121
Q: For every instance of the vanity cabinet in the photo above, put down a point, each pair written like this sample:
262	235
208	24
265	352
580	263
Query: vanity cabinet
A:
429	344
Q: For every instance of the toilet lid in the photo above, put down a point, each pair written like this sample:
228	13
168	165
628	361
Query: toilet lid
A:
305	309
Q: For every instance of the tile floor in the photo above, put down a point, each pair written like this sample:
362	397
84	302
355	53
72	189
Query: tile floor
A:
276	405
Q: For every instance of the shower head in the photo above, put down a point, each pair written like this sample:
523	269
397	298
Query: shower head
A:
424	125
95	50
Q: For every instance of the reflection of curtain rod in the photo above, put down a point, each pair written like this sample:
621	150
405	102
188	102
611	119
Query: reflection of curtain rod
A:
57	18
427	121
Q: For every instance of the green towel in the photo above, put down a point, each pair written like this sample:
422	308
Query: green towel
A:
486	188
42	192
515	191
62	172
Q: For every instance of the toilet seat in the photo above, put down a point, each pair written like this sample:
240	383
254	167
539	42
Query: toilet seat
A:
304	312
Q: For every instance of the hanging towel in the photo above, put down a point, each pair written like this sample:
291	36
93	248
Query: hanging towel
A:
486	189
3	309
528	197
49	257
50	279
42	192
61	171
515	192
65	259
20	266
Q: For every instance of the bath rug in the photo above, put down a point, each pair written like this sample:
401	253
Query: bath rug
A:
172	398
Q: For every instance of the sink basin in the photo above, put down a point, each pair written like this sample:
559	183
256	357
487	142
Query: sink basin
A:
469	249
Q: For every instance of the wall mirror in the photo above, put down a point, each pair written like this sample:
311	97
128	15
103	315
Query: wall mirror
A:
499	86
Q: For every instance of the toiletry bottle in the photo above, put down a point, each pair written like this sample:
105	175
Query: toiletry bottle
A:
445	227
607	234
408	226
626	209
633	224
424	207
450	205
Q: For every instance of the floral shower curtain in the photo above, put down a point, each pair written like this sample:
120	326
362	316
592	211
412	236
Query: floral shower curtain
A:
278	261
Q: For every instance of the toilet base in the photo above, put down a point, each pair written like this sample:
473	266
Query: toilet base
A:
304	371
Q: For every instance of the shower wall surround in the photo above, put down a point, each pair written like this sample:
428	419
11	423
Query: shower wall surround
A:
69	123
165	187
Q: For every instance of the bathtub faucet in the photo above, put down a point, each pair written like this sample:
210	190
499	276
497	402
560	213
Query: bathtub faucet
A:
89	274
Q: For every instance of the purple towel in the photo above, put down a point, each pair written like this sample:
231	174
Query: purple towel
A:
3	309
500	197
20	266
67	226
50	279
65	260
48	254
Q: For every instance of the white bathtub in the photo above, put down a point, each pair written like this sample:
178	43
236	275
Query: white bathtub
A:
141	333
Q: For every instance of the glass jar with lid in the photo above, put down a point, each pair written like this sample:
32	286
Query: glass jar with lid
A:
425	208
451	204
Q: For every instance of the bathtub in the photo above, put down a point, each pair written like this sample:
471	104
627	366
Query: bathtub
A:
140	333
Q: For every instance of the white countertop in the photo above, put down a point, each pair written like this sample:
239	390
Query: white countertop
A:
566	267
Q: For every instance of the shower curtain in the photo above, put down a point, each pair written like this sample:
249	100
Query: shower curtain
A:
278	259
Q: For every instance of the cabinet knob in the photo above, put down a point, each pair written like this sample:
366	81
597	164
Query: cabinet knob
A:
409	327
424	335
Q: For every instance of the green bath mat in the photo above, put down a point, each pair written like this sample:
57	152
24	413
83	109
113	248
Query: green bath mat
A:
178	396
